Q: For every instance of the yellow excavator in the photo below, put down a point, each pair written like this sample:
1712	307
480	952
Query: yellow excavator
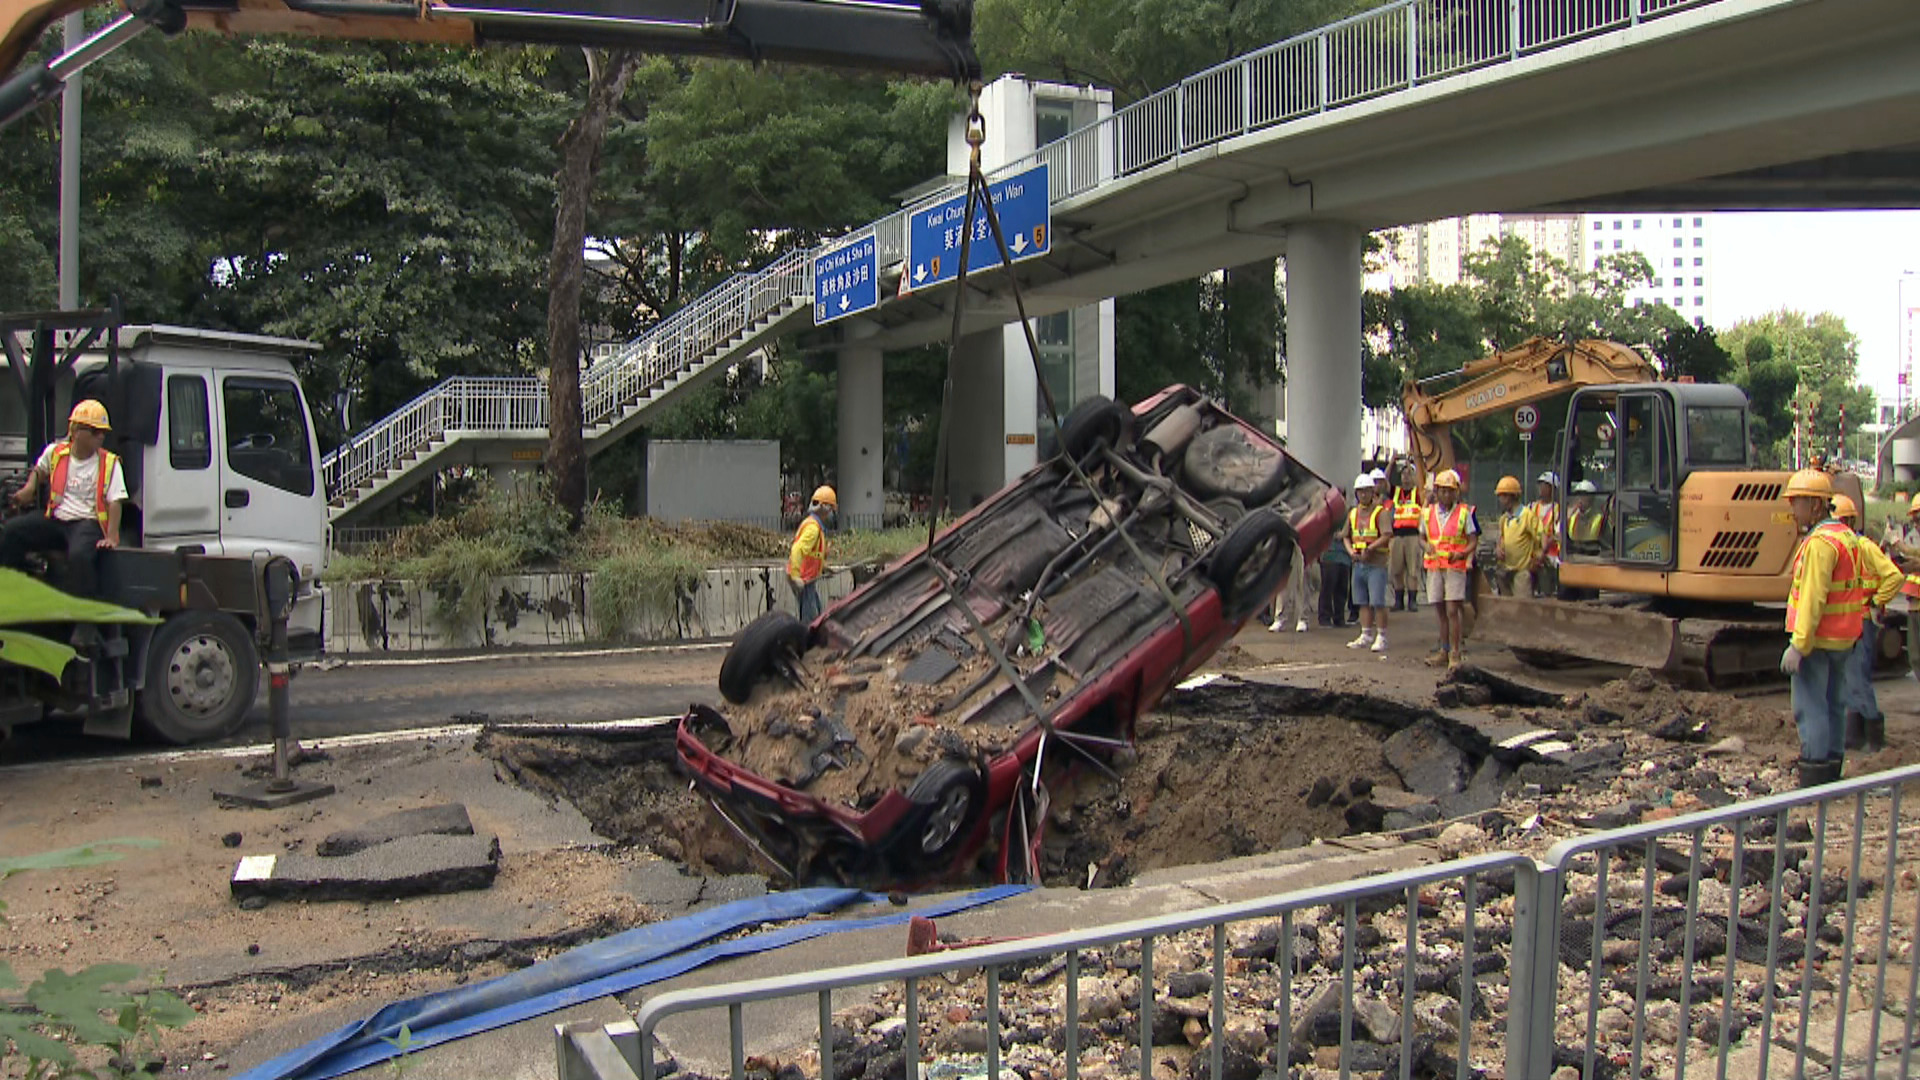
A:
1683	549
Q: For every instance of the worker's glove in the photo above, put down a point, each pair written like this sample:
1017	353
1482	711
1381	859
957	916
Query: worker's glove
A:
1790	661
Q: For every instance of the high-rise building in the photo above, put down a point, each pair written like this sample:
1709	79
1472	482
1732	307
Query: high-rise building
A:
1678	244
1435	252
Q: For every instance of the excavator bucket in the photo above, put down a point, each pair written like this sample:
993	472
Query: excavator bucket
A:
1610	635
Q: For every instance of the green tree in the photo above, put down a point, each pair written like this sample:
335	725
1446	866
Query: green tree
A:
1796	362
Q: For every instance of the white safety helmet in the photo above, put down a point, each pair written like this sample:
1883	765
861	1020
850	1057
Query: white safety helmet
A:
1549	477
1584	487
1364	480
1379	476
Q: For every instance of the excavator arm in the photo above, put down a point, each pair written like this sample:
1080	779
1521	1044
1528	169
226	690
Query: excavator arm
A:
1531	371
927	38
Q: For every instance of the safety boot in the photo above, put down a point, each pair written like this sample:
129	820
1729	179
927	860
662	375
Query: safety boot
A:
1856	731
1876	733
1815	773
1399	599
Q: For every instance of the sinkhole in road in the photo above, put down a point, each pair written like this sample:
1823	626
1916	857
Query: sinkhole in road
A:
1227	770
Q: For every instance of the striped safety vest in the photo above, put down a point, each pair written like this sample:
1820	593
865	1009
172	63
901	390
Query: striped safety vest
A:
57	468
1450	543
1843	614
1359	536
808	559
1406	508
1585	526
1911	586
1549	515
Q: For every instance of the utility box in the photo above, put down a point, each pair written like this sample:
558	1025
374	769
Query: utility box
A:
698	480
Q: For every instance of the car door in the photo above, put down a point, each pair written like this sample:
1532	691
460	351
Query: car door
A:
181	503
269	493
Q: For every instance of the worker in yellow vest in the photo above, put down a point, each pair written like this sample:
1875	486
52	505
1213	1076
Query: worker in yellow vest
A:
1903	544
1450	533
808	559
1825	612
1369	534
1866	725
1405	551
1546	511
85	489
1519	544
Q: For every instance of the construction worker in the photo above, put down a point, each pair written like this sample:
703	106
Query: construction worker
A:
1518	547
1369	535
1825	611
1902	543
1449	534
1866	724
808	559
85	489
1405	551
1585	523
1546	511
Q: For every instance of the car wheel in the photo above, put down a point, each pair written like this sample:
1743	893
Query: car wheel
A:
1094	422
1228	460
202	674
1249	565
757	651
948	800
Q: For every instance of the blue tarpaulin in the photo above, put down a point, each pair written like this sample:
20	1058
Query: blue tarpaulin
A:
633	958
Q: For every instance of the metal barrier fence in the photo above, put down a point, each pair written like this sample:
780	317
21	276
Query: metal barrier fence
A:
1762	854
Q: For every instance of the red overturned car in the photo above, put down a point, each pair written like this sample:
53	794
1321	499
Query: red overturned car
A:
910	733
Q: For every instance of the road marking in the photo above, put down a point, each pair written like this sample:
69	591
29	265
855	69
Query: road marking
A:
479	658
337	742
254	868
1551	746
1524	738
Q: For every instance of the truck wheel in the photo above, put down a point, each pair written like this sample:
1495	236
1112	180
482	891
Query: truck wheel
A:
948	800
1249	565
1227	460
202	675
1094	422
753	654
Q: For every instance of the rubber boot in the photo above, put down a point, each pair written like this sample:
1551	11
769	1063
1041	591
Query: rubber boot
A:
1413	600
1856	732
1814	773
1876	735
1399	599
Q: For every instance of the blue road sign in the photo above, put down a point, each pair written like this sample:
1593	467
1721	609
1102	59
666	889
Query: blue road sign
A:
934	232
846	280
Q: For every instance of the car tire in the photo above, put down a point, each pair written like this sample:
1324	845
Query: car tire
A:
1094	422
203	673
948	800
754	653
1248	566
1228	460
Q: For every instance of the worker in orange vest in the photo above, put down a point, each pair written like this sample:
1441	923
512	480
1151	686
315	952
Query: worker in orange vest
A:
808	559
1546	510
1866	725
1404	551
85	489
1825	612
1902	542
1450	533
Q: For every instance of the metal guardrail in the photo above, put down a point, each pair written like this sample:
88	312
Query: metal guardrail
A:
1756	837
1393	48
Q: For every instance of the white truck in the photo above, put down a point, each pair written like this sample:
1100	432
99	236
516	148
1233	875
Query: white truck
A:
221	468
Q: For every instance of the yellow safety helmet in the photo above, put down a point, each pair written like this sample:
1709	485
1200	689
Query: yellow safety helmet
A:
1814	483
90	413
1447	479
1914	506
1843	507
824	494
1508	485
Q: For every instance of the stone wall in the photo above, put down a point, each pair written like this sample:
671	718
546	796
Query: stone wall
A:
386	617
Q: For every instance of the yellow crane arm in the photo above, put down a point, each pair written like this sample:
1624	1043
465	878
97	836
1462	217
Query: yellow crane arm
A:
1531	371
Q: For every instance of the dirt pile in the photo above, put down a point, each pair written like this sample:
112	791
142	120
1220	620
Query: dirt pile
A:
1642	702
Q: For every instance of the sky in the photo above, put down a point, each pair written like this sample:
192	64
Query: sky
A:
1846	262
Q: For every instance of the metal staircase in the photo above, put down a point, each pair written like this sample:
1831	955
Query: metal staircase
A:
720	329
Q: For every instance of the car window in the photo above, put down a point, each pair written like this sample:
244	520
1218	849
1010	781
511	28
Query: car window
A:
189	438
1716	435
267	433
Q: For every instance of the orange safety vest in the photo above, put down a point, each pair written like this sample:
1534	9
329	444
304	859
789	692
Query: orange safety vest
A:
1843	614
57	468
1358	537
1549	515
1911	586
807	564
1452	544
1406	508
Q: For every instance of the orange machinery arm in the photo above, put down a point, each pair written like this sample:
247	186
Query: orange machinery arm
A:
1533	370
929	38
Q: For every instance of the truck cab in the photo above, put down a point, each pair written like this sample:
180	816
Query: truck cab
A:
221	464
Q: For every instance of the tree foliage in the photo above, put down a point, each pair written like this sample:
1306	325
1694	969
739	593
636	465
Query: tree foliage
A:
1791	362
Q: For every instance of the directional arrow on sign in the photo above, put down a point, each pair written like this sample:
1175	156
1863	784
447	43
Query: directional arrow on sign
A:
1019	243
920	273
843	301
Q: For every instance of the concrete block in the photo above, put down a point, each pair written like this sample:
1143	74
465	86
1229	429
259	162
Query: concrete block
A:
409	866
447	819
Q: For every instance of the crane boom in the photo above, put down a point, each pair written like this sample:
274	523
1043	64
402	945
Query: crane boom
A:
926	38
1536	369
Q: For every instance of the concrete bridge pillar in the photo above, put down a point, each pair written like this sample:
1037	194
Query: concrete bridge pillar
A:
1323	347
860	478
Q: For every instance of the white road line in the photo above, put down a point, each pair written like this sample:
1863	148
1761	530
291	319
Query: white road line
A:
341	742
494	657
1524	738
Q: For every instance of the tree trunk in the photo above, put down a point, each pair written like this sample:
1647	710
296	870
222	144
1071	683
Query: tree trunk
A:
1252	319
566	460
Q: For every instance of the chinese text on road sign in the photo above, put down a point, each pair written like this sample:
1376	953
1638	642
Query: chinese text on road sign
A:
934	233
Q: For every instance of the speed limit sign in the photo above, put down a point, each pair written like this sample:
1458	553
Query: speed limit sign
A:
1526	418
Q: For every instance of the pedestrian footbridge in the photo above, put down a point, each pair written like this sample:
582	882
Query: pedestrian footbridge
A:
1415	111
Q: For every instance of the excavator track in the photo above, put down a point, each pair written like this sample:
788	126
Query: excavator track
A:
1705	653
